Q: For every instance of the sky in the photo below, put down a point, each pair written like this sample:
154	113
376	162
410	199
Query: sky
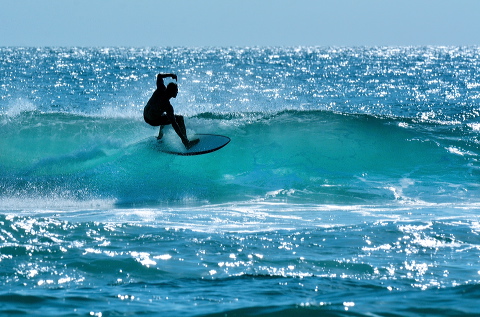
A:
200	23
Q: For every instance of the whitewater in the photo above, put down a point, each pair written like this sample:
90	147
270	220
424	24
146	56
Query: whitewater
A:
350	186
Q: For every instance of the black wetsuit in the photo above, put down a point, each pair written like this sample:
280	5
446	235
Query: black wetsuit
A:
159	110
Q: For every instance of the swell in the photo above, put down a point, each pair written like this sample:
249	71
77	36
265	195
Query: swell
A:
312	156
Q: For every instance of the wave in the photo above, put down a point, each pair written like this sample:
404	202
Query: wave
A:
300	156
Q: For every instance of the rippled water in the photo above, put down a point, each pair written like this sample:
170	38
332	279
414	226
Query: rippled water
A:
350	186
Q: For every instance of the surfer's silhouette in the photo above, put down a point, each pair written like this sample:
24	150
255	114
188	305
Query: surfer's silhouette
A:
159	110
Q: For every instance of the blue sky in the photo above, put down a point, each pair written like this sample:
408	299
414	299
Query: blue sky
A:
238	22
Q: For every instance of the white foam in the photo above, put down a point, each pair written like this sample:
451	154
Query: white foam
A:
474	126
457	151
17	106
53	203
121	112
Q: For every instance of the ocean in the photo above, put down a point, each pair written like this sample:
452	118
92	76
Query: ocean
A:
350	186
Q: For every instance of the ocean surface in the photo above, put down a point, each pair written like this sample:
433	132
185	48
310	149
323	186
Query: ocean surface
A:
350	186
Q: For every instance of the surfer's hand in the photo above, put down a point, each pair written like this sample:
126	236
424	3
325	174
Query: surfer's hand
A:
174	76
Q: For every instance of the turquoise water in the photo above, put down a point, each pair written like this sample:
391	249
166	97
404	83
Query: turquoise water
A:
349	188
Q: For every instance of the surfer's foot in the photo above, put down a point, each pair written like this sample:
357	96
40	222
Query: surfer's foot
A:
160	136
190	144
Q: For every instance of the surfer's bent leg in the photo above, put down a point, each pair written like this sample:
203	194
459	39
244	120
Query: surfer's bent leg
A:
181	124
161	121
160	133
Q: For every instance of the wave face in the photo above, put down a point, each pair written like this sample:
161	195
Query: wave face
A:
299	156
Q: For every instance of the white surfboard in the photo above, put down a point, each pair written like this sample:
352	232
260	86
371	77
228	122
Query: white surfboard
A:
208	143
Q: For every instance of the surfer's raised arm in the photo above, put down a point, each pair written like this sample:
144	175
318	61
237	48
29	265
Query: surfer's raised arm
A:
167	75
160	78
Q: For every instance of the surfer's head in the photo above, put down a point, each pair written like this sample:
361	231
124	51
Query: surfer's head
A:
172	90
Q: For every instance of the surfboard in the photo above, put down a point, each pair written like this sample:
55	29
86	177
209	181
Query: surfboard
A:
208	143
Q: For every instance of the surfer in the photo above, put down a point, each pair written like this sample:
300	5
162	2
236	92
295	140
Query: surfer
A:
159	110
